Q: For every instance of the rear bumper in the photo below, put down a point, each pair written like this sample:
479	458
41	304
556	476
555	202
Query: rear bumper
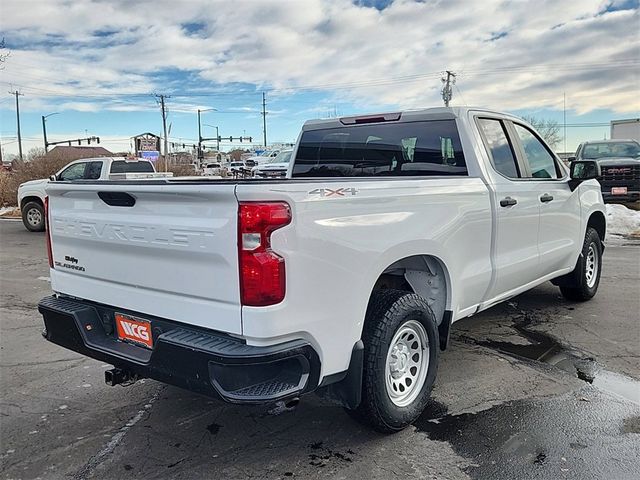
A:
193	358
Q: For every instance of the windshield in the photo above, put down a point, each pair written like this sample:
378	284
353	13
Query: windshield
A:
282	157
611	149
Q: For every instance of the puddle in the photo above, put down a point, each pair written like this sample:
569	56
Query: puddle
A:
546	349
539	438
618	384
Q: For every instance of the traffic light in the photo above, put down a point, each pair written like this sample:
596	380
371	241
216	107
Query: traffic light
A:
250	139
231	139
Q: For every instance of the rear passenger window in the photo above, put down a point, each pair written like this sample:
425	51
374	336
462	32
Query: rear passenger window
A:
502	157
541	162
139	166
429	148
93	171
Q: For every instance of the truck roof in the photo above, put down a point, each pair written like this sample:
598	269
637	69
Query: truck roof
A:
610	140
434	113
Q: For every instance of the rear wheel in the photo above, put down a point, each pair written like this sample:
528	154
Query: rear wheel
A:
33	216
583	282
401	360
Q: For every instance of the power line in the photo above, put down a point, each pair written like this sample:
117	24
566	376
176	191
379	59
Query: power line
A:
353	85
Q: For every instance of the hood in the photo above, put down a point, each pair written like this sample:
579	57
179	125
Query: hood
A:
34	183
618	161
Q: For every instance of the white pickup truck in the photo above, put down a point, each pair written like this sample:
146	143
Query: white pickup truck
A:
31	194
343	279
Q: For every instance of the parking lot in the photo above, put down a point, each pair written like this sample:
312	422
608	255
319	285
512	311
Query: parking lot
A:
538	387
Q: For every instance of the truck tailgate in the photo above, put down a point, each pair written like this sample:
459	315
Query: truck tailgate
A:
171	254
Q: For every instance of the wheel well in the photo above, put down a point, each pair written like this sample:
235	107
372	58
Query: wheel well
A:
26	200
424	275
598	222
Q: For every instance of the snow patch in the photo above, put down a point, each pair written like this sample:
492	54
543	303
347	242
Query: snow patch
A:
8	211
622	221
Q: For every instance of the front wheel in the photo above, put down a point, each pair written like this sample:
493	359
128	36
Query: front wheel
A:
33	217
584	280
400	360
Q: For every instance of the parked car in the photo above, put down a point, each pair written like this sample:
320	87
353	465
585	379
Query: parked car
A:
212	169
263	157
237	167
31	194
275	167
619	161
343	280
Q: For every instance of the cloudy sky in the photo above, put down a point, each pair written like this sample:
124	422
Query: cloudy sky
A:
99	62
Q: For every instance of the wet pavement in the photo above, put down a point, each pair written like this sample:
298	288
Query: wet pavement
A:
586	434
535	388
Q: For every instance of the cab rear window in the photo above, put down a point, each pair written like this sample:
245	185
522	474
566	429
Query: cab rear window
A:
428	148
121	166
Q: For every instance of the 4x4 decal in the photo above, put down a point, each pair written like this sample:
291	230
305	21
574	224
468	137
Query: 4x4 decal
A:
338	192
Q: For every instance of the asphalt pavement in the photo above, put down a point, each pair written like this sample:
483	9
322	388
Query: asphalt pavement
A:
538	387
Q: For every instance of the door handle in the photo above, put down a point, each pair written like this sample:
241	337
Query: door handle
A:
546	198
508	202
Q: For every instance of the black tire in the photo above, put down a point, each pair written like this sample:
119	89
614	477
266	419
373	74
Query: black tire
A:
33	217
579	286
388	312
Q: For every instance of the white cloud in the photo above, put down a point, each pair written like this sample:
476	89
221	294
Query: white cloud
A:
102	47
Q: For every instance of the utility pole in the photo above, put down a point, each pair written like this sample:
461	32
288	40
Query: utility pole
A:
164	128
264	119
18	94
200	155
564	118
447	89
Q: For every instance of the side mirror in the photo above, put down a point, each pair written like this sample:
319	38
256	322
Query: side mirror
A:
571	159
582	170
52	178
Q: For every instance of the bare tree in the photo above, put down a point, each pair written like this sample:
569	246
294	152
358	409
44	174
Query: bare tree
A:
4	53
549	130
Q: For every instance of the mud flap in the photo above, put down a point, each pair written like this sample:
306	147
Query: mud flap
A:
345	388
444	329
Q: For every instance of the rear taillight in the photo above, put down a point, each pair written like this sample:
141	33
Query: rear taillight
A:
262	272
47	226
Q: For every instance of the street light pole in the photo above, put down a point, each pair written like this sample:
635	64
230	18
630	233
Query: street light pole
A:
44	131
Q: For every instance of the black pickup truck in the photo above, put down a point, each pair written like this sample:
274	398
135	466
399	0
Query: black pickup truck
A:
620	166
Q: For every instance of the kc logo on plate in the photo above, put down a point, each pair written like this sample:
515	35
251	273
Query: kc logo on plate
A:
138	331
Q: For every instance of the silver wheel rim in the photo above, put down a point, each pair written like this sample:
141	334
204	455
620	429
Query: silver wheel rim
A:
34	217
591	266
407	363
